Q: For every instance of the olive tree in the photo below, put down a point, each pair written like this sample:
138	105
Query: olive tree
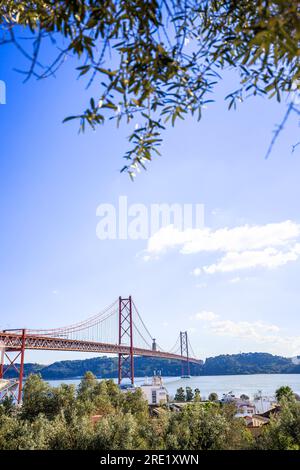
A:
154	62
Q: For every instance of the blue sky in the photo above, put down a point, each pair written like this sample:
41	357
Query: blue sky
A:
54	269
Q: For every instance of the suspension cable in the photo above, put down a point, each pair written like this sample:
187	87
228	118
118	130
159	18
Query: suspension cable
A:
176	345
148	332
138	331
99	317
194	355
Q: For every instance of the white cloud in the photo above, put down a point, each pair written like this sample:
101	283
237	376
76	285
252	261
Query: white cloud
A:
206	316
238	239
267	258
257	332
235	280
244	247
196	272
244	329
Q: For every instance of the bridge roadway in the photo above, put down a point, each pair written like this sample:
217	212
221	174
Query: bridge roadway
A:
13	341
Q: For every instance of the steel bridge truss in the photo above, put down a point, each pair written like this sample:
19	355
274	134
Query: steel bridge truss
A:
11	354
126	360
184	351
13	344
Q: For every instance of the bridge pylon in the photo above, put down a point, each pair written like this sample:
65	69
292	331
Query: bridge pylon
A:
184	351
12	355
126	361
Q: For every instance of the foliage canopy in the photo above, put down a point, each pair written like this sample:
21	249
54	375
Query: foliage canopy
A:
157	61
99	416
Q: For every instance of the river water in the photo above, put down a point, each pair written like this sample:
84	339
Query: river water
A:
267	384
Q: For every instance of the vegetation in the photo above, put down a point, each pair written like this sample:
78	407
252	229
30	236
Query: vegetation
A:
244	397
283	431
61	418
284	393
105	367
189	394
197	395
156	62
180	395
213	396
248	363
99	416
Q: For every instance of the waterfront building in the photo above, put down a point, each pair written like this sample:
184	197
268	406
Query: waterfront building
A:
154	391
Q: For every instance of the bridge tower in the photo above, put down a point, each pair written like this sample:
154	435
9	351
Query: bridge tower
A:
126	361
11	355
184	351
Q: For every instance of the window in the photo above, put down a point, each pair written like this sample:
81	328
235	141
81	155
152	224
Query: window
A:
154	398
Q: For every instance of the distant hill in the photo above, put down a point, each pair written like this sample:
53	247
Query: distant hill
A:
227	364
105	367
248	363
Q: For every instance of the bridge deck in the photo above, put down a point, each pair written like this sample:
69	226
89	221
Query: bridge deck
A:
13	341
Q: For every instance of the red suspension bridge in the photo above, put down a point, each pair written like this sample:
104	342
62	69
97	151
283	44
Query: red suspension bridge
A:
118	329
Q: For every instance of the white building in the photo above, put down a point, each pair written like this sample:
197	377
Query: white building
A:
260	404
155	392
245	409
